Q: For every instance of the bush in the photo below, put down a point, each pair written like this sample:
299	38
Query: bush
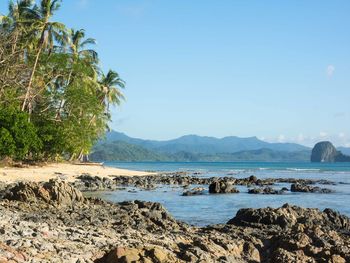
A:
7	144
24	136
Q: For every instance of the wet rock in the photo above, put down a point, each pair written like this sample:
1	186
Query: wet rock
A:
309	189
194	191
222	187
266	190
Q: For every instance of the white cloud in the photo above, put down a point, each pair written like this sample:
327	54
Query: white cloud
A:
323	134
281	138
338	139
330	71
301	138
341	135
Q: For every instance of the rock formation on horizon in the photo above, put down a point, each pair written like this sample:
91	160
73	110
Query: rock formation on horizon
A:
327	153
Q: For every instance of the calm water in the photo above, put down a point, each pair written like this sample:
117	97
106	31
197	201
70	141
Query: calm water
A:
213	209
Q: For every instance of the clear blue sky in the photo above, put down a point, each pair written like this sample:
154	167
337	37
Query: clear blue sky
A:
279	70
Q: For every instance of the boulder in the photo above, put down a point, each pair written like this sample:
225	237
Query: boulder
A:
288	216
222	187
138	254
194	191
309	189
266	190
54	192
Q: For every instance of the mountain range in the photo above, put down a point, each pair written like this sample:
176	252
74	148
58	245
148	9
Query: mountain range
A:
118	146
204	144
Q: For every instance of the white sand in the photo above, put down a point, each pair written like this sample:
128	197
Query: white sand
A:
64	171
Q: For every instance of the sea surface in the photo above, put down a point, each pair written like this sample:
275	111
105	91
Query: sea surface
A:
216	209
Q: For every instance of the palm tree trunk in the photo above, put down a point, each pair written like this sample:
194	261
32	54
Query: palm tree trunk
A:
62	100
41	45
26	98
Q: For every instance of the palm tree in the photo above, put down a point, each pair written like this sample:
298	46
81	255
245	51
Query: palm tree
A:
110	92
16	22
76	44
47	32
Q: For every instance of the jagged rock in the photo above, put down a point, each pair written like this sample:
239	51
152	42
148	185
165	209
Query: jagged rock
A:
194	191
87	182
266	190
326	152
288	216
54	192
138	254
222	187
309	189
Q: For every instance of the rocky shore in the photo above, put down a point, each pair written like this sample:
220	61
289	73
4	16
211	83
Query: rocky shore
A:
87	182
54	222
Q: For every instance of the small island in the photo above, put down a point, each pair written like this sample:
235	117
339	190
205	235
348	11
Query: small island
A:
325	152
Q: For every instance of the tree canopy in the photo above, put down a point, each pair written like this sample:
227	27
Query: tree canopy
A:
54	98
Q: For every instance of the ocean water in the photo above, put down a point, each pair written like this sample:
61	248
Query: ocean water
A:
216	209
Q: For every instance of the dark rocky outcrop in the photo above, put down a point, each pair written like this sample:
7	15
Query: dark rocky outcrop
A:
222	187
55	192
267	190
194	191
309	189
326	152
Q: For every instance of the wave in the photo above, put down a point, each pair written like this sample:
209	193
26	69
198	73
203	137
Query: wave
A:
303	169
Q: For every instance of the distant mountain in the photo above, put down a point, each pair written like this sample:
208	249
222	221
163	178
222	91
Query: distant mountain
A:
123	151
205	145
344	150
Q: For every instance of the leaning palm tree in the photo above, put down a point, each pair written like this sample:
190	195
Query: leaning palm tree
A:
76	45
47	33
110	92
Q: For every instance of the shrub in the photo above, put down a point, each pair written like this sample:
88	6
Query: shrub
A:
24	136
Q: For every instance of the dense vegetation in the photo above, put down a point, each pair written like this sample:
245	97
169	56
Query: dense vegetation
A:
127	152
54	98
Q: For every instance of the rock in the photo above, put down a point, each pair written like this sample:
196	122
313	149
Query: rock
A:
326	152
87	182
139	254
54	192
309	189
253	179
222	187
266	190
194	191
337	259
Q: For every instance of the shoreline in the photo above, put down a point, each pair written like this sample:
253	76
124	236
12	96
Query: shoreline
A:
54	222
65	171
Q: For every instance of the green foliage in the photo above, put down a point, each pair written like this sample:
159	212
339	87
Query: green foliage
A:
51	80
122	151
19	134
7	144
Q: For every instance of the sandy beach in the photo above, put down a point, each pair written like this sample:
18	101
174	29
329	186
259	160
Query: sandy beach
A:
68	172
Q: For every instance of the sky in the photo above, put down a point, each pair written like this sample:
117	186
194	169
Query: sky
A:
278	70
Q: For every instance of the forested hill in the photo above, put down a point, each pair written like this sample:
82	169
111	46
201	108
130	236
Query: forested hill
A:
120	147
123	151
204	144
